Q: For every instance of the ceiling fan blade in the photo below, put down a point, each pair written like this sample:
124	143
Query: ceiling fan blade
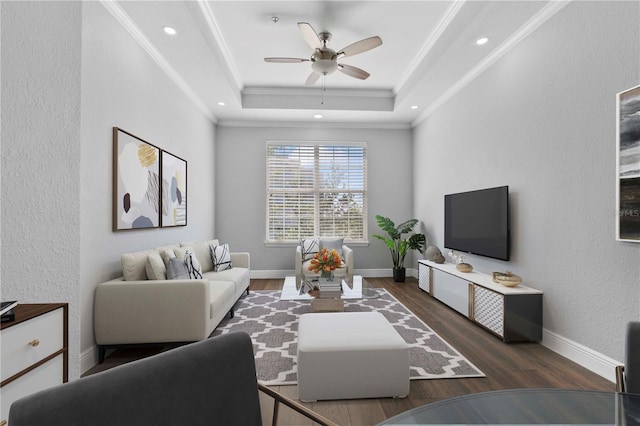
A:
310	35
311	80
285	60
353	71
361	46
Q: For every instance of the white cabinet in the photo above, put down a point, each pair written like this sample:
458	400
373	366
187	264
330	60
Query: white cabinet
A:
512	313
34	351
451	290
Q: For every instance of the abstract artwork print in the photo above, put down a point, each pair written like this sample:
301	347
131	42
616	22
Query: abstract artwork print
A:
174	190
136	182
628	170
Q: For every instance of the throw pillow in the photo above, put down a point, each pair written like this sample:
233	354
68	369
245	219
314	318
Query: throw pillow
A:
176	270
156	270
134	265
166	254
201	250
332	243
309	246
193	266
180	252
221	257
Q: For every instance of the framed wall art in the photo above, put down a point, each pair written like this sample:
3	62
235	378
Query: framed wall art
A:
174	190
136	182
628	166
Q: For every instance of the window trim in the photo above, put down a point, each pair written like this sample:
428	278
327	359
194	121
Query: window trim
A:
295	142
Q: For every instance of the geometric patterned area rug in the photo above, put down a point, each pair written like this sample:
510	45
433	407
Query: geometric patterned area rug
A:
273	326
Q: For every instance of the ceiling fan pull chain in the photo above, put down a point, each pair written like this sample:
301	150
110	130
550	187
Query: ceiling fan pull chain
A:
322	92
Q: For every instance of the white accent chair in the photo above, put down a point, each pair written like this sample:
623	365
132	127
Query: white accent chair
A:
346	271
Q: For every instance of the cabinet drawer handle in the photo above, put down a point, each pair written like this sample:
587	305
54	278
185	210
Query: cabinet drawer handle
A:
34	343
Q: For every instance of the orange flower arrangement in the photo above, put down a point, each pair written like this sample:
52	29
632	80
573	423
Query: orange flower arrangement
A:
325	261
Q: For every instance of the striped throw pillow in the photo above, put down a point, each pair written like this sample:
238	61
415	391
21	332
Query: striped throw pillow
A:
221	257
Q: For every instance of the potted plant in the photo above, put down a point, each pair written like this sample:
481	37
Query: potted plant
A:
400	246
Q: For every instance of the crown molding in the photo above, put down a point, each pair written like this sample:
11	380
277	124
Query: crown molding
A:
544	14
309	98
227	61
121	16
314	124
313	91
433	38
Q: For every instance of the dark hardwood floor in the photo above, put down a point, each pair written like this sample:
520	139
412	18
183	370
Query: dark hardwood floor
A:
506	366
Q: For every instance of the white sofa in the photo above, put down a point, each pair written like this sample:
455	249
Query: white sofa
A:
134	310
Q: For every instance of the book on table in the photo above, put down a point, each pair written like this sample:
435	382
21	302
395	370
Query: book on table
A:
6	311
330	289
7	306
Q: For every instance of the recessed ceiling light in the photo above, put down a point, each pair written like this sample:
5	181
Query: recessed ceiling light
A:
482	40
317	116
221	103
414	106
169	30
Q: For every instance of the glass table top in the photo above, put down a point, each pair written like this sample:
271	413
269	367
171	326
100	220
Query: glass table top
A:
528	406
359	288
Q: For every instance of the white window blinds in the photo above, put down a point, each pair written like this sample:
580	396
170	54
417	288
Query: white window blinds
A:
316	189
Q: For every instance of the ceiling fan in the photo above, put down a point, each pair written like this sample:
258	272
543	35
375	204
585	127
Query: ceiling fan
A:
324	60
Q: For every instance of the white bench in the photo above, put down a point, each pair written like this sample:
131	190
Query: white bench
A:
348	355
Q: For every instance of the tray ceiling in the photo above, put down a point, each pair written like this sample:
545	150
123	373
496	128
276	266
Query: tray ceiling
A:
429	52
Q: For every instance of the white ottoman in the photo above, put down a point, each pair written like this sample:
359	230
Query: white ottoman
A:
346	355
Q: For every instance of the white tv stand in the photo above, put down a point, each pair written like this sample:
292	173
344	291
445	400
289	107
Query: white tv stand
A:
512	313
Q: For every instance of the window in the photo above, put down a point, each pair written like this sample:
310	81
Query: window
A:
316	189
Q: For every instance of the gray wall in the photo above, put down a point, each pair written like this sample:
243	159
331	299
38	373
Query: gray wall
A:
41	49
542	120
240	189
64	88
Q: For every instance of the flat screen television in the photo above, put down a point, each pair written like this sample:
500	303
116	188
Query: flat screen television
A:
477	222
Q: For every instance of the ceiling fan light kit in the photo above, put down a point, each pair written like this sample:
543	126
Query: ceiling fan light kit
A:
324	60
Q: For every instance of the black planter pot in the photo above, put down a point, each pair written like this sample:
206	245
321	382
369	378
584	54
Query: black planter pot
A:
399	274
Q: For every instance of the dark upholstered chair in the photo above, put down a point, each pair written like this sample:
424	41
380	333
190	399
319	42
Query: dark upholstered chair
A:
628	376
209	382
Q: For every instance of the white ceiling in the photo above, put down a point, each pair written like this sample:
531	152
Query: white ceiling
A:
428	53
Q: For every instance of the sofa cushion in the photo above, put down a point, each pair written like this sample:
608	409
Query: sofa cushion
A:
222	297
156	270
309	247
176	270
201	250
221	257
134	265
235	274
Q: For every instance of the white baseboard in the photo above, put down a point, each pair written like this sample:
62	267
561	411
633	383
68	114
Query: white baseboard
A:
580	354
88	359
